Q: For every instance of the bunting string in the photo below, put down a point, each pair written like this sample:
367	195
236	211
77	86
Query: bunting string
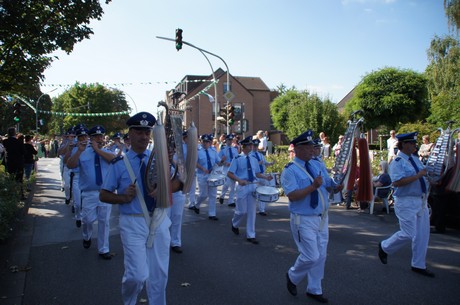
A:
99	114
133	84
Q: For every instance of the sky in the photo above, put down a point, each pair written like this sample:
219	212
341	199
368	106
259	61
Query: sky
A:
324	46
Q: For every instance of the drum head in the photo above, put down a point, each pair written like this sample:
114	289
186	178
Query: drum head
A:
267	190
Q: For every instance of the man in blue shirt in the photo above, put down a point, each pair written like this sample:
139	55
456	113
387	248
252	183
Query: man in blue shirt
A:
305	187
143	263
93	161
230	153
408	176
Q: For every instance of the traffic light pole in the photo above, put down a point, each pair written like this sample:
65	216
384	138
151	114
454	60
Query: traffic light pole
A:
226	66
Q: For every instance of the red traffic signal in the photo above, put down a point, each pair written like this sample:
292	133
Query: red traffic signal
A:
178	39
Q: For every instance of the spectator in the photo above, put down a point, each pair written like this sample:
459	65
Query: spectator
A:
2	152
338	146
262	148
391	146
326	149
29	159
15	157
383	179
425	149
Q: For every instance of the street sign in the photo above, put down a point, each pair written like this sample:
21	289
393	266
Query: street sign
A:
229	95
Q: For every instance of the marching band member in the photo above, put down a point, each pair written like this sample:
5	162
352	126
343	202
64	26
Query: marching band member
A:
142	264
262	165
408	176
230	153
244	170
207	159
305	187
93	161
67	145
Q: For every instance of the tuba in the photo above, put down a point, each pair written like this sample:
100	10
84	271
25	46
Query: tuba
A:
343	161
163	174
442	156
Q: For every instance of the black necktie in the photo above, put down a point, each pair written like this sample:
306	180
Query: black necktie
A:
250	174
422	182
149	201
97	168
314	194
209	160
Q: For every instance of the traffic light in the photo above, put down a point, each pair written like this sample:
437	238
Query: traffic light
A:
231	115
178	39
222	118
17	112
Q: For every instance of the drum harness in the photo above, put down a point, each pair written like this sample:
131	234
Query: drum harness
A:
158	214
324	213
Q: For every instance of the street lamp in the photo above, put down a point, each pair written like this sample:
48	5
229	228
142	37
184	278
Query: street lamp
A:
36	108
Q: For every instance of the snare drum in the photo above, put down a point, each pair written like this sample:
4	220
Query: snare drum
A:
216	180
267	194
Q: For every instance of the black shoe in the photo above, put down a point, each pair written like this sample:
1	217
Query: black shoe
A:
176	249
424	272
67	201
382	255
221	200
232	205
253	241
317	297
62	189
235	230
86	243
290	286
73	209
106	255
262	213
78	224
213	218
195	209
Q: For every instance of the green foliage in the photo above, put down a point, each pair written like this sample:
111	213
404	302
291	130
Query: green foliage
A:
423	129
452	8
9	203
390	96
293	112
443	74
100	100
31	30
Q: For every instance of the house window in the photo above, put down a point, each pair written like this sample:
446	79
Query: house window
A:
227	87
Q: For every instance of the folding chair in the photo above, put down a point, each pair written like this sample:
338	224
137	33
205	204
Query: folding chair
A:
384	198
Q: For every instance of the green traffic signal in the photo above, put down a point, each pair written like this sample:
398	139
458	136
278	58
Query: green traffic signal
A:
16	119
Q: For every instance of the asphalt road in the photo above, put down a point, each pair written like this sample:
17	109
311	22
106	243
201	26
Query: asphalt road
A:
218	267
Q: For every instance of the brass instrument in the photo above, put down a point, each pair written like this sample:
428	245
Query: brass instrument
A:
442	155
167	142
342	162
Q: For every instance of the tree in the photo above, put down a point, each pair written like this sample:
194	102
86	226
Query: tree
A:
88	100
452	8
294	112
31	30
389	97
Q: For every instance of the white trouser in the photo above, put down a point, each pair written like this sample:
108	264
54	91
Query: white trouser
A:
414	227
76	195
311	242
61	170
245	205
229	183
66	178
142	263
209	192
92	210
175	213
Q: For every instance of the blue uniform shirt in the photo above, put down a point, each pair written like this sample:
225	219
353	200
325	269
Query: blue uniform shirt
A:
400	168
225	151
118	179
87	169
294	178
259	157
203	161
239	167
